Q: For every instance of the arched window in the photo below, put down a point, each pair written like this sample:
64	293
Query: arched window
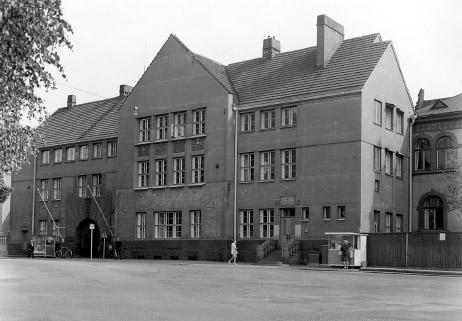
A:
422	155
433	213
444	152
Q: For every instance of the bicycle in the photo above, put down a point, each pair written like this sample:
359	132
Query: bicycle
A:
64	252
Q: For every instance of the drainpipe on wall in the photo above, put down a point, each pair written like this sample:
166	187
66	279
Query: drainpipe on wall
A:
235	172
410	167
33	195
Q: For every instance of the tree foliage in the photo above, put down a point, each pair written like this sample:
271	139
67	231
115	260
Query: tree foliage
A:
454	187
31	32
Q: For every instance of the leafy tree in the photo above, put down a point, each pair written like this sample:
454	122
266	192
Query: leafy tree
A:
454	187
31	32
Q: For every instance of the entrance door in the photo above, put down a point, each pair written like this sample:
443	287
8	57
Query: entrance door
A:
83	238
288	221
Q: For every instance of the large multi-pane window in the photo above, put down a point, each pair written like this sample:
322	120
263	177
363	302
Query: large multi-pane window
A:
179	124
247	167
267	223
378	112
96	184
197	169
140	225
326	213
246	223
57	188
145	129
167	224
267	166
198	123
388	162
389	117
433	213
376	222
58	155
161	172
399	223
422	155
82	185
388	220
377	159
161	126
399	121
178	171
248	122
111	149
83	152
267	119
195	224
444	152
70	154
97	150
143	174
288	164
289	116
44	189
45	157
43	227
399	166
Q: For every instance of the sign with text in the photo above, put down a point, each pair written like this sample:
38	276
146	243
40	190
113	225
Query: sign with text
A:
92	226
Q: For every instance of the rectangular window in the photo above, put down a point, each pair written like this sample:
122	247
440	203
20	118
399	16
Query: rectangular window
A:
376	222
377	185
388	162
145	129
96	184
399	223
287	212
140	225
44	189
288	164
179	124
268	119
388	219
97	150
84	152
82	185
198	123
341	213
58	155
111	149
378	112
56	233
430	219
161	172
57	187
377	159
246	223
289	117
195	224
45	157
161	126
198	170
389	117
267	223
248	122
399	166
247	167
178	171
306	213
267	166
399	122
43	227
326	212
167	224
143	174
70	154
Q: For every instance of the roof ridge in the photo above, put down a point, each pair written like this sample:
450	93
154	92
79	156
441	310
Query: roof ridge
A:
61	109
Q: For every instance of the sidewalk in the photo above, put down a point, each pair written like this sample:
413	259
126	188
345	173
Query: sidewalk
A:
409	270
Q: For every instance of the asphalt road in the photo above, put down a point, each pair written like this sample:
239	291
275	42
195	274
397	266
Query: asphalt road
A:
60	289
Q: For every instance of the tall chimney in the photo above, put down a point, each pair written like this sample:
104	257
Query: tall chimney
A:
330	36
71	101
125	90
420	100
271	47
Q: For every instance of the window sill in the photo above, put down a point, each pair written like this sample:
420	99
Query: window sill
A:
198	136
266	129
341	219
246	182
387	174
142	143
112	156
326	219
288	126
70	161
377	124
247	131
288	179
267	181
304	220
436	171
195	184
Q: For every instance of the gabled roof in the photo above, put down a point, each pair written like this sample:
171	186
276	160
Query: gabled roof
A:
441	106
86	122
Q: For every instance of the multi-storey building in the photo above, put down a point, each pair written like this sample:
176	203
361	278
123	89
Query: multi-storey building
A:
437	140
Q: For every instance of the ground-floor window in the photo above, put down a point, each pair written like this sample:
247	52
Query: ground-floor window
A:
388	227
42	227
433	213
267	223
167	224
140	225
195	224
56	230
399	223
376	222
246	223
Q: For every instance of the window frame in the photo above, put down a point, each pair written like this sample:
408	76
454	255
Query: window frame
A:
376	221
97	150
289	164
160	172
246	223
422	155
167	225
305	213
268	119
377	158
82	182
57	188
341	213
97	184
399	121
70	156
378	112
246	167
198	122
43	227
267	165
399	163
44	189
197	169
196	221
45	157
326	214
389	117
179	124
140	232
444	152
267	223
144	129
83	151
111	149
58	155
289	117
179	171
161	127
399	219
143	174
247	122
388	162
388	222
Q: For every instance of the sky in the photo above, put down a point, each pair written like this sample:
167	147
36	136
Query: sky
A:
114	41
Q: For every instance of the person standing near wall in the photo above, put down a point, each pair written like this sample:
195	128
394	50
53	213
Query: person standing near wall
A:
233	253
345	249
118	249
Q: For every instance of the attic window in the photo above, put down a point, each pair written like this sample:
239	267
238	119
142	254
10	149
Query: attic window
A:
439	104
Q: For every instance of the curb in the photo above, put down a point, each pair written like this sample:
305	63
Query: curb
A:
411	271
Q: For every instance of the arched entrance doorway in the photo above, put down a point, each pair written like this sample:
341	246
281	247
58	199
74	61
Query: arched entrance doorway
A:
83	238
432	213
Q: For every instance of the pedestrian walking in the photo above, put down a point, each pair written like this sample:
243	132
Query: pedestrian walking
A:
345	249
118	249
233	253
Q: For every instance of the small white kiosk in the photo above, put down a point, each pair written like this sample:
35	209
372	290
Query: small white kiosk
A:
358	249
